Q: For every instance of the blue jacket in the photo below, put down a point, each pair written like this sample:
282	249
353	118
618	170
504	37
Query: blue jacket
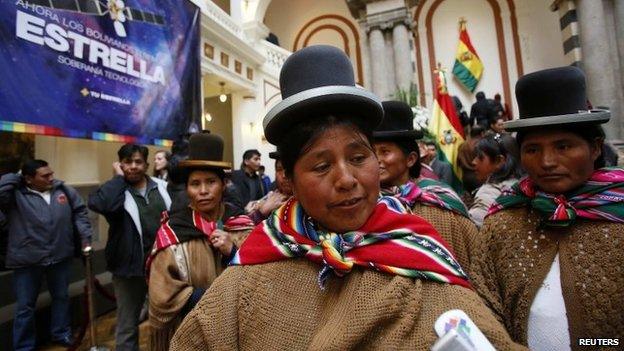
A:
41	234
126	251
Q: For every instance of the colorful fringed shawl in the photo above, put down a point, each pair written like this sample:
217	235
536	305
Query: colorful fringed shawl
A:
390	241
600	198
428	192
188	224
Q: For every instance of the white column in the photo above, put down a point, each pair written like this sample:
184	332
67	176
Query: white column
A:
389	58
601	88
402	63
618	15
247	117
366	62
378	64
236	10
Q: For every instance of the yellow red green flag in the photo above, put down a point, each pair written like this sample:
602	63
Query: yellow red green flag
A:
468	67
446	127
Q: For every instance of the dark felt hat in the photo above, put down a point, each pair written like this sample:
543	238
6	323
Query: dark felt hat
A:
554	97
275	155
315	80
398	122
205	151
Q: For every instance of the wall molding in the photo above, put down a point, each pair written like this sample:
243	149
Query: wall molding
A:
500	36
324	22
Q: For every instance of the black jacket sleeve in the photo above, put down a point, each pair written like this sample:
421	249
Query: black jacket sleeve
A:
80	215
109	198
8	184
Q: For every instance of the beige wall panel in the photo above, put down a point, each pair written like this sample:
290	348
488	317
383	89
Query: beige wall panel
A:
481	29
540	35
286	17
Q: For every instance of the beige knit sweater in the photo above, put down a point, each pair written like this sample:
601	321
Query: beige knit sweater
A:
170	287
458	231
514	256
279	306
175	272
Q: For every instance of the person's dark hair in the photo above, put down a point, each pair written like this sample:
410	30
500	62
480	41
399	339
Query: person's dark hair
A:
185	173
408	146
505	145
30	167
180	147
261	168
588	132
480	95
127	150
476	131
251	153
497	97
610	155
431	143
495	119
301	138
248	154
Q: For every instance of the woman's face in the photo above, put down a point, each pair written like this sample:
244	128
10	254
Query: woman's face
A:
160	162
337	180
283	185
558	161
205	191
394	165
485	166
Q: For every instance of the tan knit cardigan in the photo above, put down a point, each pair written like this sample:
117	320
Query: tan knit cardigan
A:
514	256
279	306
458	231
169	290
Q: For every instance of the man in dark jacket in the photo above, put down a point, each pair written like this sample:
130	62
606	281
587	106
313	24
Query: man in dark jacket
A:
42	215
132	204
443	170
246	179
481	111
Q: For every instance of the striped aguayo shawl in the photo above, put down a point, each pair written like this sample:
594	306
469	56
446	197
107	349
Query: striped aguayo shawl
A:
393	242
428	192
188	224
600	198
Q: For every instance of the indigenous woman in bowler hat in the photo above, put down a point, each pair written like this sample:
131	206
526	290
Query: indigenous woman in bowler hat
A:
399	174
195	244
551	261
334	268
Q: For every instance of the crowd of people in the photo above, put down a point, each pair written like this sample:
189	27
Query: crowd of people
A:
360	242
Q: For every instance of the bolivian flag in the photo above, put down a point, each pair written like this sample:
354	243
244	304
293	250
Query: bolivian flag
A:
468	67
446	127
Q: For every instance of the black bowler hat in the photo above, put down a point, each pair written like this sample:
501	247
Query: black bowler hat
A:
398	122
554	97
205	151
275	155
315	80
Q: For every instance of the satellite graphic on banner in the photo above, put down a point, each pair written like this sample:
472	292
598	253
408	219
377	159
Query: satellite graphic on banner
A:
98	68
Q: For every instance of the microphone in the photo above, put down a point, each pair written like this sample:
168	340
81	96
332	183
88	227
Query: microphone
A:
458	332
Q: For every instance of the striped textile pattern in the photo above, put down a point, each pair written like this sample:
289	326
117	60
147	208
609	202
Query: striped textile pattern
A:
428	192
390	241
600	199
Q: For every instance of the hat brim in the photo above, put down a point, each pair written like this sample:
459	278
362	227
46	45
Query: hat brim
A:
204	164
398	134
333	99
589	117
274	155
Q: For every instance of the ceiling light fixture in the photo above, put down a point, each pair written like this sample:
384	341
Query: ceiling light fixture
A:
222	97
